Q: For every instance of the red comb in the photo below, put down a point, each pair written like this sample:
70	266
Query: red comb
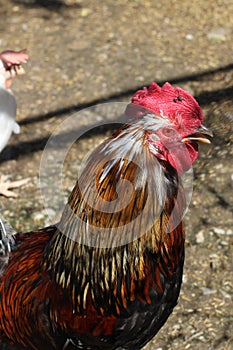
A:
174	103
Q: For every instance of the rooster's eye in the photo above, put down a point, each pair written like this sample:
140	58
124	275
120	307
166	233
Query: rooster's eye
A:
168	132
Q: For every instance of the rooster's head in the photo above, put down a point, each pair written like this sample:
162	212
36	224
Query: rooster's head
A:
177	142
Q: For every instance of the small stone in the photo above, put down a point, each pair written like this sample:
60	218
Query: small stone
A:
15	8
224	243
140	78
189	37
208	291
218	34
49	212
229	232
219	166
202	338
225	294
37	217
219	231
200	237
103	56
184	278
214	262
25	26
85	12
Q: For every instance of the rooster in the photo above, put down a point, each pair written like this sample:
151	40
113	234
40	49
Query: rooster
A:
109	274
10	66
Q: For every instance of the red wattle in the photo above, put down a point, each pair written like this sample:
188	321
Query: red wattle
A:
182	158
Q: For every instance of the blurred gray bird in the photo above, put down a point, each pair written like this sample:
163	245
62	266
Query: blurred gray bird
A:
10	66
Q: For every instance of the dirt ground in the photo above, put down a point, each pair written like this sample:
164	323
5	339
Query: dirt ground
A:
85	52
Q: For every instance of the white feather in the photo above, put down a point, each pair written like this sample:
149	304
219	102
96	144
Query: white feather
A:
7	110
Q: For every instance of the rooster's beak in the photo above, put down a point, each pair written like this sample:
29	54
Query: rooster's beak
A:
200	135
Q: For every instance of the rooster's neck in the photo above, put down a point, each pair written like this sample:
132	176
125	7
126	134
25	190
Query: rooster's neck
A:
118	215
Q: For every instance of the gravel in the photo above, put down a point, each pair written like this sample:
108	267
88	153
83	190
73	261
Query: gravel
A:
84	52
